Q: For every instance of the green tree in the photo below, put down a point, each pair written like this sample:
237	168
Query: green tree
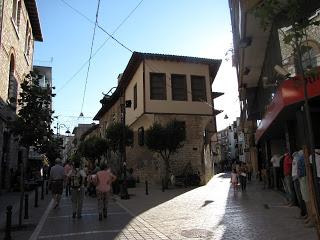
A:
52	149
114	137
93	148
166	140
32	126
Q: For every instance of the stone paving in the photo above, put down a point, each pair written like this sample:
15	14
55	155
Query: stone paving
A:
211	212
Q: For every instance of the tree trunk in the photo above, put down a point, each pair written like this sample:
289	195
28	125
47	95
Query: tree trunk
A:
167	172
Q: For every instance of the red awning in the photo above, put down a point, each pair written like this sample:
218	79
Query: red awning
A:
289	92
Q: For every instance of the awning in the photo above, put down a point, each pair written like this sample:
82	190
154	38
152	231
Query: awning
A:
289	92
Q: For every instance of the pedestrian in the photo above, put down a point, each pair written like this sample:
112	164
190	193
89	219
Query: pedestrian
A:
296	184
287	171
104	181
77	179
264	176
56	181
243	177
234	180
275	160
67	168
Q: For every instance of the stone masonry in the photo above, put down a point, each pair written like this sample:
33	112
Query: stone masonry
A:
12	47
191	157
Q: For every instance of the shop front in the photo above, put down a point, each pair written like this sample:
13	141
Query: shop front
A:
282	128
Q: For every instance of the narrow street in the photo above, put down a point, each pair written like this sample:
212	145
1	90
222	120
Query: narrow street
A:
208	212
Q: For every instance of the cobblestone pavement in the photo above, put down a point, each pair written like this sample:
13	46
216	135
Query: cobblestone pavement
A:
208	212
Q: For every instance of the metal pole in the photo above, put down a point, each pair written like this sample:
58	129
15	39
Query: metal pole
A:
124	194
42	189
47	187
22	193
36	197
8	223
310	134
26	206
147	190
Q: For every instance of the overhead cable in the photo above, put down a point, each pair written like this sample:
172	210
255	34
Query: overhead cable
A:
103	44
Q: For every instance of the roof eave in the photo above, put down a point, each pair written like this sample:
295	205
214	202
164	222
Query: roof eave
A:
32	9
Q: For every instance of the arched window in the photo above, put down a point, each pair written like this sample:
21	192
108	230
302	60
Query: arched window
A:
13	85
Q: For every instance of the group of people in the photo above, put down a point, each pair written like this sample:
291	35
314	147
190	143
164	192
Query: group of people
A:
75	179
289	173
241	173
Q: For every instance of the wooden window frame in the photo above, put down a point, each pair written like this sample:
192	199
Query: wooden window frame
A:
163	87
195	90
183	89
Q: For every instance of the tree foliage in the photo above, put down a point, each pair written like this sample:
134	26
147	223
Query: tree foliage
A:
32	127
93	148
114	136
166	140
294	13
52	149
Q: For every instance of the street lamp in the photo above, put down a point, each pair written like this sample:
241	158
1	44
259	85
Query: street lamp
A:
59	126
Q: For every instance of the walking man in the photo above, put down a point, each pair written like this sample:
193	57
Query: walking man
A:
56	182
104	181
77	179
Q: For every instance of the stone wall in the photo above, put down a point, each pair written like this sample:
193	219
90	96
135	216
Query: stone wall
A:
313	35
149	166
12	41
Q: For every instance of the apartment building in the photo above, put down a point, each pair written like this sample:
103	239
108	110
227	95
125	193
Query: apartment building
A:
162	88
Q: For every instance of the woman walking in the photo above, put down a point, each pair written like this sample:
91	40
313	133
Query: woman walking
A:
234	180
104	181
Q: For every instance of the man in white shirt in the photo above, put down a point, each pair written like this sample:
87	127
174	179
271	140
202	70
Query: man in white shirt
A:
275	160
56	181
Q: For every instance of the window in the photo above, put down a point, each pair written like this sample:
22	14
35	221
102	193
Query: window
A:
158	86
198	88
135	97
16	12
13	85
28	40
179	87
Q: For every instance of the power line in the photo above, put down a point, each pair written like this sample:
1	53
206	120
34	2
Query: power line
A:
88	69
103	44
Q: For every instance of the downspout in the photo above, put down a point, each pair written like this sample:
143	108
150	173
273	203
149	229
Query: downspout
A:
1	19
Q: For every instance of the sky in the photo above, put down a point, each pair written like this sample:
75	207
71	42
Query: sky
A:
179	27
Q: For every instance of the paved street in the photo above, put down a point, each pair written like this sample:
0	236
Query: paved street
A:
208	212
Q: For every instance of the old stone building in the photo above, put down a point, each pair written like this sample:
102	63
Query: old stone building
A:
19	28
163	88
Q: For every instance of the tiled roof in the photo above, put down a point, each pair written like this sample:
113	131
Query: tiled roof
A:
134	63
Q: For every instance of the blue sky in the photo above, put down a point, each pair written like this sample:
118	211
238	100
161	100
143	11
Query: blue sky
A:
182	27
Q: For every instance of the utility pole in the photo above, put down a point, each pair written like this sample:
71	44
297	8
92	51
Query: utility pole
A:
124	190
